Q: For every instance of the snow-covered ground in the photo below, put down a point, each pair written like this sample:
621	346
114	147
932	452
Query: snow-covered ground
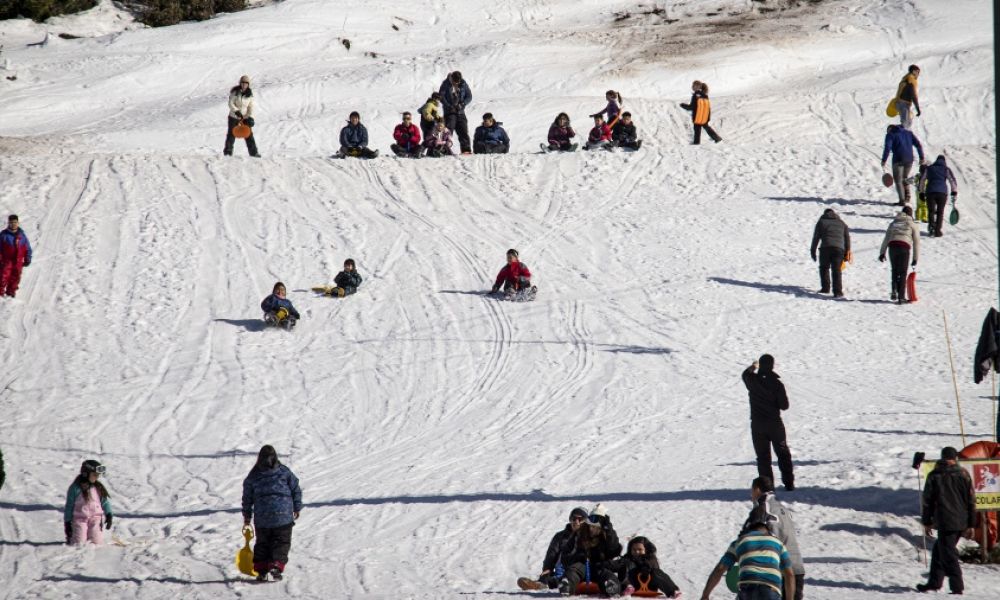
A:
442	437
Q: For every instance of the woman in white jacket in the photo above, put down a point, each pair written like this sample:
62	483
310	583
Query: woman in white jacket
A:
901	236
241	111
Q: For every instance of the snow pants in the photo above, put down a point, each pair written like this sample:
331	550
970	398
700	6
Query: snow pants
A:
10	277
757	592
900	171
231	139
945	562
87	530
905	110
460	126
899	258
576	573
936	202
271	549
708	129
764	436
358	152
658	580
481	148
830	259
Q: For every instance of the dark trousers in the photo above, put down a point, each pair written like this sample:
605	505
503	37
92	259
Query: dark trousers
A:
708	129
460	125
426	127
764	436
757	592
830	259
358	152
935	212
576	573
945	562
271	549
658	580
899	259
800	580
481	148
230	139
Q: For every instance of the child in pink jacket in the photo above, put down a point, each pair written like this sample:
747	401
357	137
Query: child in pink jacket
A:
87	506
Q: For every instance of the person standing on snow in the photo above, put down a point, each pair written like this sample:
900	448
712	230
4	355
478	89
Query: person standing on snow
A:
934	183
780	525
430	112
456	96
701	112
88	506
273	500
906	97
834	240
354	139
15	254
900	142
241	111
613	108
901	235
949	505
767	400
764	563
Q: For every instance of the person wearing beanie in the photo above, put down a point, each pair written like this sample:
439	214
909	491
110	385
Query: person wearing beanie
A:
88	507
241	113
767	400
490	137
455	97
561	547
901	142
354	139
272	499
349	280
901	236
833	237
949	505
15	254
779	524
934	183
906	97
430	112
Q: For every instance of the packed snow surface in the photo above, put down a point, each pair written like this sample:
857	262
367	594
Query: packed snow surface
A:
441	436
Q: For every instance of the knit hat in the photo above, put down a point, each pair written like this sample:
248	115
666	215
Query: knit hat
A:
766	362
598	511
488	116
949	453
353	114
245	79
579	511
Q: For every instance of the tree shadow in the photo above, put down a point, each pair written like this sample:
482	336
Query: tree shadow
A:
633	349
141	580
30	543
863	230
834	560
247	324
874	301
915	539
827	201
29	507
792	290
857	585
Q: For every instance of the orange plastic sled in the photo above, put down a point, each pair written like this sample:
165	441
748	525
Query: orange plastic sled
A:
242	131
644	591
911	286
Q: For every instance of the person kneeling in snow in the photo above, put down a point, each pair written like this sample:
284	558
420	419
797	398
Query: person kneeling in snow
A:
490	137
278	309
600	135
623	134
87	506
514	277
639	565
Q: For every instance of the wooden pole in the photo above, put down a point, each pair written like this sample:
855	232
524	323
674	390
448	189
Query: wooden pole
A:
954	378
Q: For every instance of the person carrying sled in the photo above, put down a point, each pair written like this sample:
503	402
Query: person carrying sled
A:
88	506
906	97
407	138
278	309
934	183
701	112
600	135
612	109
764	563
438	140
901	236
241	112
354	139
273	500
780	525
456	96
591	560
15	254
562	546
430	112
949	505
490	137
561	135
623	134
639	565
767	400
514	276
833	237
901	142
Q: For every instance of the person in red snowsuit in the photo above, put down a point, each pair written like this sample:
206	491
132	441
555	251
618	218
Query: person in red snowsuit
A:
515	276
15	253
407	136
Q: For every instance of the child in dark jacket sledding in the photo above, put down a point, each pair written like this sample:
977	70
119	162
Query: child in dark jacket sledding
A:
561	134
278	309
348	281
600	135
515	275
639	564
623	134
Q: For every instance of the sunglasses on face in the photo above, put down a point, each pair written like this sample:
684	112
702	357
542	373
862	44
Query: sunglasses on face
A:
578	519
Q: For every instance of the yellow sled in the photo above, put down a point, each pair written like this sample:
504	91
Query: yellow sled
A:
848	258
922	210
327	290
244	558
890	111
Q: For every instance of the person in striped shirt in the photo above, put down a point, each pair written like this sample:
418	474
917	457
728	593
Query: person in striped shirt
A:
765	567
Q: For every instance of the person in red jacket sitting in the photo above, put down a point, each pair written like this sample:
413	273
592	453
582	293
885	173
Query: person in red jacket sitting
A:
407	137
514	277
600	135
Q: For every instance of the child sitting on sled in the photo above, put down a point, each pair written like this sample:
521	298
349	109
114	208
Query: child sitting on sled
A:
639	569
278	309
515	277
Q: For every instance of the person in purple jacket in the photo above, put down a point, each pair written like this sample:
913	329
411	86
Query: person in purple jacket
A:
561	135
901	141
934	182
272	499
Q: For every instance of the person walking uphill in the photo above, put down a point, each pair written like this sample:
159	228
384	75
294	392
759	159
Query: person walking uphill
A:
241	111
949	505
934	183
87	506
833	237
273	500
701	112
456	96
15	254
901	235
906	97
767	400
780	525
901	142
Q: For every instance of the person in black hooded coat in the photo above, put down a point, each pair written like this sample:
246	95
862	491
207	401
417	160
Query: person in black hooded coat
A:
767	400
640	562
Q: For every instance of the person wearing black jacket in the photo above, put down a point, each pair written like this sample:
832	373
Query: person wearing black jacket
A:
623	134
563	545
596	547
639	564
767	400
949	505
834	240
456	96
349	280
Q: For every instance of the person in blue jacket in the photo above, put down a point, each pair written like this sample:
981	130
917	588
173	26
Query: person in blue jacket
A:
272	499
934	183
278	309
490	137
455	98
354	139
901	141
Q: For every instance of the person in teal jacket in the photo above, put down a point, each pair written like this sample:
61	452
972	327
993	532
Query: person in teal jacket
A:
88	506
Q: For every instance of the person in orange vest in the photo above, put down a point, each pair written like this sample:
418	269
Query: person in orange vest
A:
906	97
701	112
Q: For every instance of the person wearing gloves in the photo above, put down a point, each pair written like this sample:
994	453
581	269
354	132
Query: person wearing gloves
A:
599	136
833	237
490	137
15	254
948	505
639	565
354	139
906	97
562	546
934	183
901	236
241	111
561	135
430	112
278	309
623	134
514	276
901	142
407	137
348	281
455	97
596	548
88	506
272	499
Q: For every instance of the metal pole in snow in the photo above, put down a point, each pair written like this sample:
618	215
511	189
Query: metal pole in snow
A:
996	122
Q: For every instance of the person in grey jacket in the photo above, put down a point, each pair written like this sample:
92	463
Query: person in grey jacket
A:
273	500
834	240
781	526
901	236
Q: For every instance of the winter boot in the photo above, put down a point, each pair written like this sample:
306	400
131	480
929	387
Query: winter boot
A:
262	576
612	587
526	583
564	589
276	574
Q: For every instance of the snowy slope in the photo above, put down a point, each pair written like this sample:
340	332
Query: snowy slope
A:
442	437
